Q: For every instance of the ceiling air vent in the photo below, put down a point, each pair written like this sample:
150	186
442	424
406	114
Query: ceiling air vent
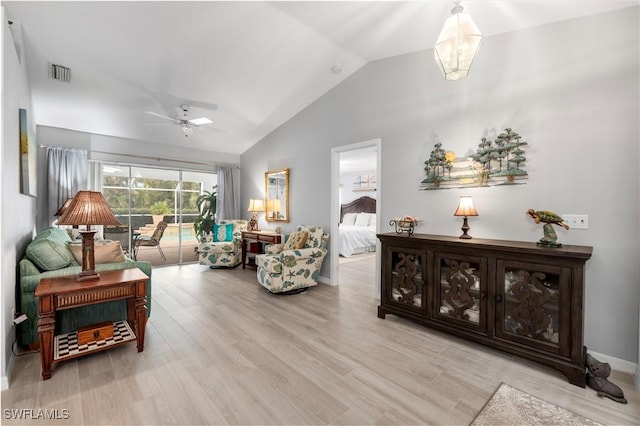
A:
59	72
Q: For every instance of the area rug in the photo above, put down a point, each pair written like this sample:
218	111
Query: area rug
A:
511	406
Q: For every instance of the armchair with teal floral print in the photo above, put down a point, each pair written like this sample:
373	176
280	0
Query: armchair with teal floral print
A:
223	246
294	265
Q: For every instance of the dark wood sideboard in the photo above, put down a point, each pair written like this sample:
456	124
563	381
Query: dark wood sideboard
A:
514	296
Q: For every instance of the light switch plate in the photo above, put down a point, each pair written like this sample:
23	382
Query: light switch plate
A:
576	221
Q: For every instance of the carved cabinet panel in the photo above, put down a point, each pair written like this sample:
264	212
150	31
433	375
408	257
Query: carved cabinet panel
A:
514	296
406	275
531	305
461	290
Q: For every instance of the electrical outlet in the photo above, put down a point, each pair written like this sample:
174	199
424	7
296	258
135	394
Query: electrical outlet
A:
576	221
19	319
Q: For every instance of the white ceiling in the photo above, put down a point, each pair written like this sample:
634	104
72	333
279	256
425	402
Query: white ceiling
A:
248	66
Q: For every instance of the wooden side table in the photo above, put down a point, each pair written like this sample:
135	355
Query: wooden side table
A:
254	242
66	292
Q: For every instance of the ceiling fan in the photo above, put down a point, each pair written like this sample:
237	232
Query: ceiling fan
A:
186	124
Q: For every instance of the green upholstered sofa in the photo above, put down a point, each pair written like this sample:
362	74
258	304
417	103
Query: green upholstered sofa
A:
49	256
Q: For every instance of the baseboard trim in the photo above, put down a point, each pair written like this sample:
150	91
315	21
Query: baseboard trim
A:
4	382
617	363
324	280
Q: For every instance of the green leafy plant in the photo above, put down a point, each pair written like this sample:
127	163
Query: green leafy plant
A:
206	204
160	207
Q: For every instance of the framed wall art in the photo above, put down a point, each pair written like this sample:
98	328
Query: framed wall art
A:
364	183
498	162
28	176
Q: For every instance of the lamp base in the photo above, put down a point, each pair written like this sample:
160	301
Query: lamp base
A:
465	228
88	276
253	223
88	259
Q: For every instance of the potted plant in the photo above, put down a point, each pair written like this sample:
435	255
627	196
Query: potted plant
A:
158	211
206	204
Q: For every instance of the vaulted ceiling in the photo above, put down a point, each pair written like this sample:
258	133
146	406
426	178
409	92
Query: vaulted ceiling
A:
247	66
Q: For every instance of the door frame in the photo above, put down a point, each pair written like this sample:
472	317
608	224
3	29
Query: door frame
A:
335	204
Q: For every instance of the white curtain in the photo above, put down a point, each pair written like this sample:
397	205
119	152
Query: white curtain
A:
95	176
228	190
67	171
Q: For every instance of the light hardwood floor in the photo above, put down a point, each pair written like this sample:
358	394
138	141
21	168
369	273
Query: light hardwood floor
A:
221	350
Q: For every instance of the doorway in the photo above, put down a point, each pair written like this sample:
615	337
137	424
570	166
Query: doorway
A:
355	174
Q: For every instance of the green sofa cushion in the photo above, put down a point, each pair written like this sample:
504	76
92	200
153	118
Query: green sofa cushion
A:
49	251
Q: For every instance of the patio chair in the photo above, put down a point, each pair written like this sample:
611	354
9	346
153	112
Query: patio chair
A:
150	241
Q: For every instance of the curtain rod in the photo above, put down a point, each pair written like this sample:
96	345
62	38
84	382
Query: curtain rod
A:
147	157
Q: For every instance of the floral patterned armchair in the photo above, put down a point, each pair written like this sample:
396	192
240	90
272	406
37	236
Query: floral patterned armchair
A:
296	264
223	253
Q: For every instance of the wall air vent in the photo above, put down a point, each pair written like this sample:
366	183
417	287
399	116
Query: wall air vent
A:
59	72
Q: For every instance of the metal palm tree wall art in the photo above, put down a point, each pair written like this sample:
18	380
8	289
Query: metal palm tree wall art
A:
497	162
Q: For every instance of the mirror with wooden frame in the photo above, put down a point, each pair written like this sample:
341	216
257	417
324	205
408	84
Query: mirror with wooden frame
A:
276	189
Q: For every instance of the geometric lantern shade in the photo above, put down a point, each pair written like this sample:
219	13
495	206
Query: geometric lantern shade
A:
457	44
88	208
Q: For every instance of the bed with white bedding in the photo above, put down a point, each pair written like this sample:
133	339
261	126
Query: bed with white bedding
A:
357	229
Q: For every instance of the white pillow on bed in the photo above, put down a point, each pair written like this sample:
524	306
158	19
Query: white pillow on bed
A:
349	219
362	219
372	219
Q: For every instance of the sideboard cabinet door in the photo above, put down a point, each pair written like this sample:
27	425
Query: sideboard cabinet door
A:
533	305
460	285
405	274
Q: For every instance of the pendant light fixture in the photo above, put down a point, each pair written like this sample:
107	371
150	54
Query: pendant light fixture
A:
457	44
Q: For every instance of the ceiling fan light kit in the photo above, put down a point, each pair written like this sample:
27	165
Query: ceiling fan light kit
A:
184	122
187	128
457	44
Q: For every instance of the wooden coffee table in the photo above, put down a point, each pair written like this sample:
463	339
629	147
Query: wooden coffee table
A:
66	292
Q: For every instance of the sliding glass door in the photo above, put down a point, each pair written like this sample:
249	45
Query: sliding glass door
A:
142	198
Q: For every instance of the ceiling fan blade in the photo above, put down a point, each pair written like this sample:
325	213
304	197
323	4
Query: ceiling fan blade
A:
155	114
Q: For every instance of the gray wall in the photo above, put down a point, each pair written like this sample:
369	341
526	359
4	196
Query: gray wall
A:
570	88
17	215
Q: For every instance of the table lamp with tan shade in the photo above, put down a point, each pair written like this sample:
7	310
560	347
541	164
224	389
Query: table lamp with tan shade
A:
63	207
88	208
465	208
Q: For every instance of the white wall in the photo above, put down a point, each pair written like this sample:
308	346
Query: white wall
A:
17	215
571	89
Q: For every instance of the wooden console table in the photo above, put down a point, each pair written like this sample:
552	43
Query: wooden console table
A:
66	292
254	242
